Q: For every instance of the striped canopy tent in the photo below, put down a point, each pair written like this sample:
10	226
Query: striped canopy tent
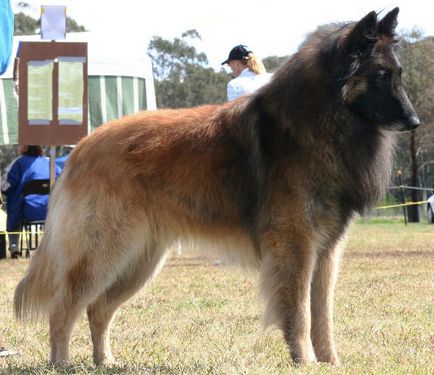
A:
120	82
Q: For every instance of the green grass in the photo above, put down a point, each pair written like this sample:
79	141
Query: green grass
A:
197	318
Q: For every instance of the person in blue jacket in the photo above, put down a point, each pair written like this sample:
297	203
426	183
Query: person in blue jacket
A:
30	165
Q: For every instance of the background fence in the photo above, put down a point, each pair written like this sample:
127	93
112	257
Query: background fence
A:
397	203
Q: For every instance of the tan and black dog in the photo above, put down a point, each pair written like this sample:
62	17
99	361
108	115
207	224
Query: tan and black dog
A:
273	178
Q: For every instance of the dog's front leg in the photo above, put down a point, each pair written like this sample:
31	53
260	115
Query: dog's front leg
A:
322	295
286	278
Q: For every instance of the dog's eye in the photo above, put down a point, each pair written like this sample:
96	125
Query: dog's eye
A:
382	74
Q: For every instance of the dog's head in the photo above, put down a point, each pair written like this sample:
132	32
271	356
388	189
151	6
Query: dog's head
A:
372	73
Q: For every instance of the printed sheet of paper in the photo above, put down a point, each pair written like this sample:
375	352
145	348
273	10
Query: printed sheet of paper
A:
39	92
71	90
53	22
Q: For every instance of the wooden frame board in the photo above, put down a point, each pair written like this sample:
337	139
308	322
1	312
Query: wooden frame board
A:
53	132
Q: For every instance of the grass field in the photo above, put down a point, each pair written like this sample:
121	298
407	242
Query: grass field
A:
199	318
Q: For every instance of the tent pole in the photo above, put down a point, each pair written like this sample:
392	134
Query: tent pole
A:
52	166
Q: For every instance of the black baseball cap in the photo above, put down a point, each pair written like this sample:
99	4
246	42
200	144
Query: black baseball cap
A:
237	53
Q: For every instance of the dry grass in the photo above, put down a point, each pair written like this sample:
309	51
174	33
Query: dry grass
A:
198	318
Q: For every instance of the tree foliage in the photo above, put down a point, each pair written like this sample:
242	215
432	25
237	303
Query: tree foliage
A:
182	77
271	63
73	27
417	56
171	58
25	25
416	149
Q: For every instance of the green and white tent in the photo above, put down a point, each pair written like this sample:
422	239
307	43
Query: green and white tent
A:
119	83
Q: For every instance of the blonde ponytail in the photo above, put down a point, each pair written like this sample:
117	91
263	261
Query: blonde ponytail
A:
254	64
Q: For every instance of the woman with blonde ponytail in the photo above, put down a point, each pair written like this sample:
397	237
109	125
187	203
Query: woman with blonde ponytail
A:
248	71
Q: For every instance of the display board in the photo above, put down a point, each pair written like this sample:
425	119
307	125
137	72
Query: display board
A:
53	92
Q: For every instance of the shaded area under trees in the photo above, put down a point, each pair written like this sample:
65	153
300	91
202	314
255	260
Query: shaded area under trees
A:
415	155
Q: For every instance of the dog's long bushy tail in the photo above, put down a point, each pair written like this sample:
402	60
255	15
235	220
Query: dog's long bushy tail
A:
35	290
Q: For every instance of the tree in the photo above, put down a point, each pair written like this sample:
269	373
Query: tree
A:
73	27
417	56
182	76
25	25
271	63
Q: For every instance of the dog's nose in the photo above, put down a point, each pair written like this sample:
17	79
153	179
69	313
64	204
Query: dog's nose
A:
413	122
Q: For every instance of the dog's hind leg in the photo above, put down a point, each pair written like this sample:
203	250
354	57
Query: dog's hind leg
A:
82	276
62	319
322	292
286	276
75	289
101	311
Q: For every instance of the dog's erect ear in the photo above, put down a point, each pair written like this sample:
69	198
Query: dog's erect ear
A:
388	24
363	36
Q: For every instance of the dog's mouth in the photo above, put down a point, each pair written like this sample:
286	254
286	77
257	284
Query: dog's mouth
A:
400	129
406	124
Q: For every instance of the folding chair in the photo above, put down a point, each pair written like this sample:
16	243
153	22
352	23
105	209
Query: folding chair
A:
33	228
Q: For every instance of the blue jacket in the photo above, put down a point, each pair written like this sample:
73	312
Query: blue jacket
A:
6	33
61	160
33	207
